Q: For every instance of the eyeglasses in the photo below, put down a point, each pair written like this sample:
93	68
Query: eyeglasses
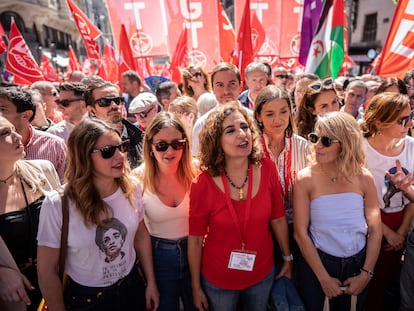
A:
282	76
196	75
109	151
107	101
66	102
404	120
145	114
325	140
175	144
54	93
328	84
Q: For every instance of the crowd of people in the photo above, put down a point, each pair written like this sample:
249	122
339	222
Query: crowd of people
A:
204	196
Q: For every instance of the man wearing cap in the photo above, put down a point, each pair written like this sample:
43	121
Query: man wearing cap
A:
144	106
104	101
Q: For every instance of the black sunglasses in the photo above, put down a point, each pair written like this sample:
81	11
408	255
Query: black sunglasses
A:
109	151
175	144
404	120
328	84
325	140
282	76
197	74
145	114
66	102
107	101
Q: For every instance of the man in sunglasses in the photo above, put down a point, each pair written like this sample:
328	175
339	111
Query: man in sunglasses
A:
49	95
71	103
144	106
104	101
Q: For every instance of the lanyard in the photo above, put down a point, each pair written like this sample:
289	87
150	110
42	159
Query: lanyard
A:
248	205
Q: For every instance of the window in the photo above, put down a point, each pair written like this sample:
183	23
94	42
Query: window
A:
370	28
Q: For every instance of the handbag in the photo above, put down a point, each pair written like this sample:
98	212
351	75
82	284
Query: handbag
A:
353	303
63	249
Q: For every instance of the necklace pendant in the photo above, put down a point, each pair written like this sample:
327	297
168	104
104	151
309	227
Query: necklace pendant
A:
241	194
333	179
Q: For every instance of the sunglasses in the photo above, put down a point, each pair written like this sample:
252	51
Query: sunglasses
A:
404	120
109	151
54	93
66	102
325	140
282	76
197	74
175	144
107	101
328	84
145	114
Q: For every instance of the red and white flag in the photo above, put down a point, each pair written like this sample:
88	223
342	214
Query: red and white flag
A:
87	30
73	60
226	34
258	34
20	61
126	60
48	70
398	52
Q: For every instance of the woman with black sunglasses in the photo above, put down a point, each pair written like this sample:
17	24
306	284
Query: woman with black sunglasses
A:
195	82
106	229
336	217
166	175
387	122
320	98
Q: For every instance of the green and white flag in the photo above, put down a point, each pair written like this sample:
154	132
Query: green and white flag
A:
326	53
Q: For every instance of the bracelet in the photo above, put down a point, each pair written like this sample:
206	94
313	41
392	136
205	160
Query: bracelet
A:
288	258
369	272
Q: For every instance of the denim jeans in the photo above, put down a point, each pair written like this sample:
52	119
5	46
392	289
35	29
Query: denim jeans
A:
172	274
407	276
253	298
341	268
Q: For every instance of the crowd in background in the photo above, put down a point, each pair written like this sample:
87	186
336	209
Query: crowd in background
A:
293	192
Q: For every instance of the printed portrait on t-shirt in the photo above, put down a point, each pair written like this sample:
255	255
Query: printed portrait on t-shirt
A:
110	239
392	190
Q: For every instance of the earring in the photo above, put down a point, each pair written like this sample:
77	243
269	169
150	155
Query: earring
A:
151	154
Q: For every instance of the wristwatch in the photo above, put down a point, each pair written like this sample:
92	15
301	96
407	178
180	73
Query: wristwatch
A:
288	258
369	272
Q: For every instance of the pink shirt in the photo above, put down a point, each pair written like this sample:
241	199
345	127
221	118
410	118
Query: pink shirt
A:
210	216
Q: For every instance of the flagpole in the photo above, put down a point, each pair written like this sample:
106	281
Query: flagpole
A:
329	59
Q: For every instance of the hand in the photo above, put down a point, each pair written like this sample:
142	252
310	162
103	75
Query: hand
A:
356	284
12	286
400	179
152	296
200	300
395	241
331	287
286	270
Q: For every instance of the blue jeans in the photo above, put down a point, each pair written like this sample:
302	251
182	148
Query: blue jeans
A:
341	268
407	276
172	274
253	298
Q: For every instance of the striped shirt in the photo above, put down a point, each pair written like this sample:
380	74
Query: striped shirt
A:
45	146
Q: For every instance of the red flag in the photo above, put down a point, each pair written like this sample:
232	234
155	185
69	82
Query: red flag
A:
73	60
398	52
179	58
244	47
108	68
258	34
126	61
20	61
3	47
226	33
87	30
48	70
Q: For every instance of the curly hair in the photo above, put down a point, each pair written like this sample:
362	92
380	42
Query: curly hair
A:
386	108
211	155
79	172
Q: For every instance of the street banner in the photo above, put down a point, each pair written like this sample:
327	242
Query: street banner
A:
144	24
326	53
397	56
20	61
87	30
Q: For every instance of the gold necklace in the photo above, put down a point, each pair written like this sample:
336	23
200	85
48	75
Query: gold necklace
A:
8	178
241	190
332	179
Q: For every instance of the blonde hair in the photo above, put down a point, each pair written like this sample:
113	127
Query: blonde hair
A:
344	128
148	171
211	152
79	172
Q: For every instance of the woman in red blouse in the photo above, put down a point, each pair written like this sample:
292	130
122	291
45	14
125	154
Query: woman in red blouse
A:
232	203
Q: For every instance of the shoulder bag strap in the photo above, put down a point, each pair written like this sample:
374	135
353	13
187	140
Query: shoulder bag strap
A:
64	236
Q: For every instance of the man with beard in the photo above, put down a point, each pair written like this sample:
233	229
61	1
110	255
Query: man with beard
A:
104	101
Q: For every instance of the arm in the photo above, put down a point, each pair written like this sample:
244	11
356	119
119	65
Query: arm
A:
195	248
402	181
49	281
144	250
12	286
280	229
372	215
406	221
301	219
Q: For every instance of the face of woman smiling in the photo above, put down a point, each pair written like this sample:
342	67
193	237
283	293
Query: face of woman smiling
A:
236	139
275	116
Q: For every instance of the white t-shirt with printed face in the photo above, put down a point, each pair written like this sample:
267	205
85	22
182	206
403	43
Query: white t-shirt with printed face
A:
97	256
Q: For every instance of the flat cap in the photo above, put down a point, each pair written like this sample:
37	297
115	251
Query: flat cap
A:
141	102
